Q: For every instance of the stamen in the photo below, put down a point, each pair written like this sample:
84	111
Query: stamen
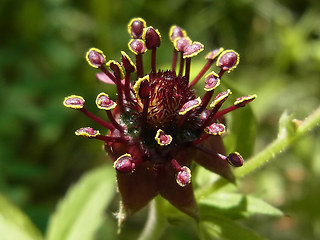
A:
124	164
97	119
153	60
91	133
184	176
104	102
116	68
181	63
162	138
187	71
240	102
216	104
188	106
211	56
95	57
234	159
74	102
212	81
215	129
174	60
138	47
136	26
228	60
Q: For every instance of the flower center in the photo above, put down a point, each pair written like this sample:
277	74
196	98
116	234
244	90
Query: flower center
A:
168	93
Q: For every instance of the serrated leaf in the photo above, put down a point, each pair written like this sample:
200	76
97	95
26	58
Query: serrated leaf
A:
14	224
236	205
219	227
80	213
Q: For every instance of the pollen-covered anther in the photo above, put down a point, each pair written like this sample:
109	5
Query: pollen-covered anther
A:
212	81
228	60
137	46
242	101
181	43
74	102
127	63
192	50
116	68
87	132
175	32
124	164
142	88
192	104
221	98
104	102
235	159
136	26
95	57
162	138
183	177
215	129
214	54
152	37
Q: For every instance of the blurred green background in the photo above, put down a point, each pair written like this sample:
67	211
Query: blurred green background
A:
42	48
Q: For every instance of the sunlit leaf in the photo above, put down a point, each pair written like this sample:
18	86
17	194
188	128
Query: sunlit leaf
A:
80	213
14	224
218	227
236	205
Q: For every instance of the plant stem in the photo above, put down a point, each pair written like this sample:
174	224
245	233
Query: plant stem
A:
278	145
156	222
261	158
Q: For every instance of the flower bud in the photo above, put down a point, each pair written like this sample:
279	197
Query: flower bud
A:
151	37
95	57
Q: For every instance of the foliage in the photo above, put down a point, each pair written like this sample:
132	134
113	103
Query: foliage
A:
42	60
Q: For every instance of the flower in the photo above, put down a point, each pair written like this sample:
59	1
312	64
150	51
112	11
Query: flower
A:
158	124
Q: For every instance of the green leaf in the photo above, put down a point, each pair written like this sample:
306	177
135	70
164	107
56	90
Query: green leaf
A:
14	224
80	213
241	127
219	227
236	205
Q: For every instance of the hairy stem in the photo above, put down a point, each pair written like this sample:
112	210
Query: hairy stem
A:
261	158
156	222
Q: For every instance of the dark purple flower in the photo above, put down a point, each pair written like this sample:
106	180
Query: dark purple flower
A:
158	124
